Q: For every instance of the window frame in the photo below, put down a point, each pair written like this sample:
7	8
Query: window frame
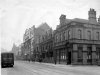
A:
79	34
89	35
69	34
97	35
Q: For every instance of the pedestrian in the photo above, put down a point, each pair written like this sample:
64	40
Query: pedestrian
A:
29	60
55	62
40	60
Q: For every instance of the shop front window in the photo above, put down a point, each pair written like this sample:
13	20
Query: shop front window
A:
89	55
98	53
80	54
62	55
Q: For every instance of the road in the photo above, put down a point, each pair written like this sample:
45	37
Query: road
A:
35	68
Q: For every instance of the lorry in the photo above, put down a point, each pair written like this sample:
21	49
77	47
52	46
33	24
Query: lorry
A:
7	59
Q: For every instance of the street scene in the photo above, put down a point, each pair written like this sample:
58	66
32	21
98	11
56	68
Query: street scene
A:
50	37
36	68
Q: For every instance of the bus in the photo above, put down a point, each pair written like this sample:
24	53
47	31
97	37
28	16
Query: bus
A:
7	59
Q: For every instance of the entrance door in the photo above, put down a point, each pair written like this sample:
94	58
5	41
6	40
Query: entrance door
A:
69	58
89	55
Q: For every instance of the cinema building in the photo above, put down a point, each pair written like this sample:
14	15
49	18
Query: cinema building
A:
77	41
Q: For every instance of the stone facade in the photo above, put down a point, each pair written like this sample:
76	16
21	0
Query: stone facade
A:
43	43
31	41
27	41
77	41
46	46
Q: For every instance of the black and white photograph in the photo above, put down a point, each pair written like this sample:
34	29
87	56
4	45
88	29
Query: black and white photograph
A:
50	37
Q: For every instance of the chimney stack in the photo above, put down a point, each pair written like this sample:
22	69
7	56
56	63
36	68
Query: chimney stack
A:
92	16
62	19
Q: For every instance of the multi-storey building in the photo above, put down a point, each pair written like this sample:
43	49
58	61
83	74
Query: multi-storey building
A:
40	36
31	40
27	41
77	41
22	51
46	46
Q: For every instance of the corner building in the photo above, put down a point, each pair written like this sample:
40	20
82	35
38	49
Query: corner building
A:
77	41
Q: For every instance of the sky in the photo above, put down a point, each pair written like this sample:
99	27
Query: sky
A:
18	15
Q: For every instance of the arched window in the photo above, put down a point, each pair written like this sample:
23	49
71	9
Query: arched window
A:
89	35
79	34
56	38
69	34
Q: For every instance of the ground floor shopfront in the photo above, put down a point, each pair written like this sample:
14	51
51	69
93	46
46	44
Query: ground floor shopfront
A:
85	54
44	56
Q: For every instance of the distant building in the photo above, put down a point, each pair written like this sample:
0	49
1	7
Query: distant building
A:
29	33
15	50
30	39
19	50
39	33
45	45
77	41
27	42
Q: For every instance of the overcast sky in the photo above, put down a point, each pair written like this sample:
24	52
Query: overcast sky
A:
17	15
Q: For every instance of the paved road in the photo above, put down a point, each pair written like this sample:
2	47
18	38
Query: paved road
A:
35	68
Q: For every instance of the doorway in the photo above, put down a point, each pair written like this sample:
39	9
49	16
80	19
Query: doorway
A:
69	58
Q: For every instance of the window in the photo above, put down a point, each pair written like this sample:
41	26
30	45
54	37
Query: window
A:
98	52
80	54
89	55
62	55
89	35
64	35
60	37
69	34
56	38
97	35
89	50
79	34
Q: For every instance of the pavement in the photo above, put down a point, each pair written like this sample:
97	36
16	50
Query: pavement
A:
85	68
36	68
